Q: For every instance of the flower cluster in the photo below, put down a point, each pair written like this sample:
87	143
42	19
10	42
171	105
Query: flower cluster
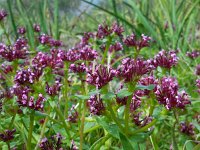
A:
131	41
131	69
53	60
100	76
21	30
198	70
115	47
78	68
17	51
198	85
136	119
54	89
3	14
168	95
194	54
36	27
6	68
55	142
146	81
95	105
7	135
104	30
24	76
165	59
136	100
25	101
73	115
187	128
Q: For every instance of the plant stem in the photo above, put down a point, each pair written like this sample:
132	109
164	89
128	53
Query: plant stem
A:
126	113
144	128
112	114
84	91
8	144
82	126
12	121
43	128
66	89
30	130
63	121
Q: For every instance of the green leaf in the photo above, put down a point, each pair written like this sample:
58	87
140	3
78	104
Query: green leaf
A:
123	93
109	95
143	87
111	128
82	97
126	143
40	114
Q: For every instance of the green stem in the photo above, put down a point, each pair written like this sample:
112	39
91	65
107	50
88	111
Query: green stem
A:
30	130
66	85
106	49
112	115
7	35
63	121
100	142
175	146
8	144
126	113
43	128
82	126
12	121
153	142
84	91
144	128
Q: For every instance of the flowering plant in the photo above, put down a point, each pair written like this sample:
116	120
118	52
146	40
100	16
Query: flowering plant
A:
103	92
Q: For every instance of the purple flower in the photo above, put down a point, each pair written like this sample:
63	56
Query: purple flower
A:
53	60
198	70
144	42
103	31
95	105
44	39
3	14
54	89
21	30
168	95
36	27
7	135
25	76
73	146
198	85
146	81
71	55
130	40
6	68
55	43
85	40
143	122
17	51
165	59
24	101
87	53
194	54
100	76
115	47
131	69
187	128
78	68
117	29
136	100
55	142
73	115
